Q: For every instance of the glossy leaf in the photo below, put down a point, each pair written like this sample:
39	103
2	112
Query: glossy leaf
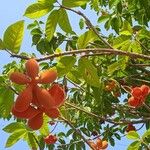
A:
133	135
63	21
134	146
37	10
74	3
51	24
13	36
15	137
86	38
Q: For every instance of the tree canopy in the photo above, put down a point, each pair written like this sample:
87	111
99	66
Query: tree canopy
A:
96	84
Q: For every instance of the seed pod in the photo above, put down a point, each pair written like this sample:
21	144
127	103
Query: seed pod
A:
136	92
58	94
36	122
145	90
135	102
24	99
99	143
52	113
48	76
27	114
104	144
44	98
93	145
32	68
50	139
19	78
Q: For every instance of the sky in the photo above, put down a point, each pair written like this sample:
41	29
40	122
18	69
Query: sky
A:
10	12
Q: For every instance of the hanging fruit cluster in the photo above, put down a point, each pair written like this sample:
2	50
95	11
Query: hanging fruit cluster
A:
99	144
139	95
33	101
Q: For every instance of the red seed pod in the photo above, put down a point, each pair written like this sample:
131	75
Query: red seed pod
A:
48	76
92	144
132	101
99	143
130	127
52	112
19	78
27	114
50	139
32	68
36	122
136	92
104	144
44	98
58	94
145	90
24	99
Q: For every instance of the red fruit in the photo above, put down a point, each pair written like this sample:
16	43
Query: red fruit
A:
104	144
24	99
145	90
99	143
44	98
93	145
52	112
132	101
36	122
58	94
19	78
136	92
27	114
48	76
32	68
130	127
50	139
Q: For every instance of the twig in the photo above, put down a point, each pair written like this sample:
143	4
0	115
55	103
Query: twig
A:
78	132
88	23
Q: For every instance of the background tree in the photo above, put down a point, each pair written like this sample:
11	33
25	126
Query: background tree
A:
94	69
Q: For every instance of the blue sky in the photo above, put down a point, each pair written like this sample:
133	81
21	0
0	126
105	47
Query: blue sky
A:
10	12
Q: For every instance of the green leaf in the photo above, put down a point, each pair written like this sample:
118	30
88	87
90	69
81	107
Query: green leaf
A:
89	72
51	24
85	131
74	3
13	36
44	130
113	3
38	10
81	23
95	4
126	29
134	146
12	127
133	135
31	140
86	38
50	2
6	101
65	64
63	21
146	134
103	18
15	137
2	44
119	65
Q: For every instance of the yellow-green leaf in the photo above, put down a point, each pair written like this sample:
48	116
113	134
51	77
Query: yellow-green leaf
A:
15	137
89	72
37	10
64	21
51	24
74	3
13	36
133	135
86	38
2	44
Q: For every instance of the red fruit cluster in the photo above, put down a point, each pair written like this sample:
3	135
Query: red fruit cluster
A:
130	127
99	144
33	101
139	95
50	139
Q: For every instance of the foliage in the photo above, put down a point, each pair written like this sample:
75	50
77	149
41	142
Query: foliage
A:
97	70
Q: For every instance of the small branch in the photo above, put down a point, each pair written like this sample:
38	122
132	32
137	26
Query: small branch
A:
146	106
88	23
122	122
54	127
78	132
